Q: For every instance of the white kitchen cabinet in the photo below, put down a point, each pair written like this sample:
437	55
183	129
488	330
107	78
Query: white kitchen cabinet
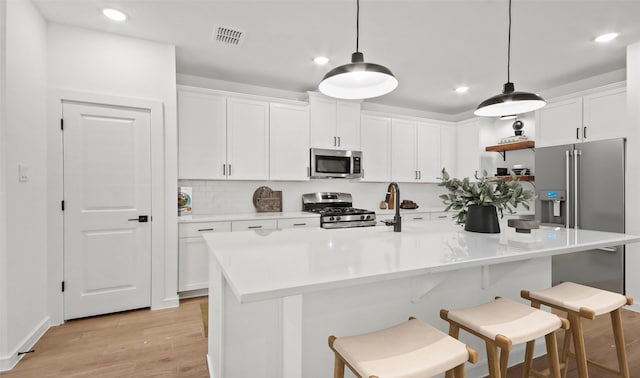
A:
288	142
193	254
448	150
415	151
428	151
258	224
202	135
247	139
596	116
376	148
298	223
334	124
468	156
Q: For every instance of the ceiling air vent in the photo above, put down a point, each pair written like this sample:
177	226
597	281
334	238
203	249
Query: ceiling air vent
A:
228	36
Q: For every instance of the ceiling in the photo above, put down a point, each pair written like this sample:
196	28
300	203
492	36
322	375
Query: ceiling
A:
431	46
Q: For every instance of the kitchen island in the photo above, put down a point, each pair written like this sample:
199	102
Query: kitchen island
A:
275	296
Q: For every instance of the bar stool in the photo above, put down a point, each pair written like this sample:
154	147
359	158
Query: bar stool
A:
580	301
411	349
503	323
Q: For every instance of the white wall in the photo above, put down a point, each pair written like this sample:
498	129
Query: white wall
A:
24	226
107	64
632	210
3	190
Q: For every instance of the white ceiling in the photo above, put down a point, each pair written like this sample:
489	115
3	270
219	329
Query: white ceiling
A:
431	46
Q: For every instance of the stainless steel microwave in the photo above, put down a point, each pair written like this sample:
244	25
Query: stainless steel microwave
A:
327	163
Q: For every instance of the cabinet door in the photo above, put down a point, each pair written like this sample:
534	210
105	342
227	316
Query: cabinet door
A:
348	125
288	142
605	115
559	123
448	150
376	148
193	264
468	150
403	151
323	121
428	152
202	135
247	139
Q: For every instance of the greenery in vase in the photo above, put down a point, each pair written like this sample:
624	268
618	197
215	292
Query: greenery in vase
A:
504	195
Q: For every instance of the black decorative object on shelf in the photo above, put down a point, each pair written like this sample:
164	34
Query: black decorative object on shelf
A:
517	127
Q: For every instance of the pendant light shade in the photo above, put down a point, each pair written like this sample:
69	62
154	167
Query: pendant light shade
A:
509	102
358	79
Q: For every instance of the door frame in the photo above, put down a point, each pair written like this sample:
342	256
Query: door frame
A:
163	294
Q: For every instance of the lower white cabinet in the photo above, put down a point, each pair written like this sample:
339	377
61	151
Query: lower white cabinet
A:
193	254
298	223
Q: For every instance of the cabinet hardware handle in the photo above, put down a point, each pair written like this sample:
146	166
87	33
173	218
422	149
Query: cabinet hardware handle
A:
206	229
419	175
254	227
229	169
224	169
608	249
577	133
335	141
418	218
339	142
308	172
299	224
415	174
584	132
442	216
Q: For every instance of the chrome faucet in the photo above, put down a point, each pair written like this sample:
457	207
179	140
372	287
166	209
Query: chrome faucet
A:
397	220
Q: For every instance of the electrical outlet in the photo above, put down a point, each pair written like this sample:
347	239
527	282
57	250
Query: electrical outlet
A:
23	172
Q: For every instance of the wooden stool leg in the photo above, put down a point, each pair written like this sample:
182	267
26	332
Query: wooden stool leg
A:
504	361
528	359
618	335
552	353
338	369
454	331
458	371
578	343
566	345
492	360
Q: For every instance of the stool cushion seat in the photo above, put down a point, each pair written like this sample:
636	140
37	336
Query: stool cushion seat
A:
411	349
516	321
573	296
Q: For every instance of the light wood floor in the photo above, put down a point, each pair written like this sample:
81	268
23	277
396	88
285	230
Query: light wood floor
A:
171	343
140	343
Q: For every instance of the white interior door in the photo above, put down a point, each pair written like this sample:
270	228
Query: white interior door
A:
107	177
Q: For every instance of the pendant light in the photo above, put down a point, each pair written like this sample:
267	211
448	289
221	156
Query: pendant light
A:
358	79
509	102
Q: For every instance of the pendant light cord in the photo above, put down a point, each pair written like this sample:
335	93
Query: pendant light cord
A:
358	24
509	48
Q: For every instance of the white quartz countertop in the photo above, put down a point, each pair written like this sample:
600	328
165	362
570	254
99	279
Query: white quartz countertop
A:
260	265
245	216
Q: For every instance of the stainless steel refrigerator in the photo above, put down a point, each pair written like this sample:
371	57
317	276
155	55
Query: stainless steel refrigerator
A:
582	185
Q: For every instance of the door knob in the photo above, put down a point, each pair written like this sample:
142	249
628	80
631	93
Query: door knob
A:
141	219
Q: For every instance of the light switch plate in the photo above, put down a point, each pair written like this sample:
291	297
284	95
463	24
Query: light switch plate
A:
23	172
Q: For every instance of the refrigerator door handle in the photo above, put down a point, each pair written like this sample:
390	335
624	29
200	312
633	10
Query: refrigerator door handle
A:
608	249
576	186
568	179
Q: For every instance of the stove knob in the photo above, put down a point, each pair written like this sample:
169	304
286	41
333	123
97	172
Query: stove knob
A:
337	218
368	216
361	216
331	218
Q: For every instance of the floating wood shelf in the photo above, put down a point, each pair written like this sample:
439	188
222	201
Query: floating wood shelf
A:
503	148
520	178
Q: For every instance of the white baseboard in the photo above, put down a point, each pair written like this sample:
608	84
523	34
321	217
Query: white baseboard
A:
193	293
166	303
209	366
10	361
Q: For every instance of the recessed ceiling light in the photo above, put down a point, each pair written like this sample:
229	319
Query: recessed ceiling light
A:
114	14
462	89
321	60
608	37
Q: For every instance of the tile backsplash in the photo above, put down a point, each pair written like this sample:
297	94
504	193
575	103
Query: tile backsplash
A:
222	197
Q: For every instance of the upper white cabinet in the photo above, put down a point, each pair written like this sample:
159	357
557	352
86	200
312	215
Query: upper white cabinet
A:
247	139
415	150
595	116
468	156
334	124
202	135
289	142
376	148
448	150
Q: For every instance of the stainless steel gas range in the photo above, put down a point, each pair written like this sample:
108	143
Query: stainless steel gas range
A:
336	210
